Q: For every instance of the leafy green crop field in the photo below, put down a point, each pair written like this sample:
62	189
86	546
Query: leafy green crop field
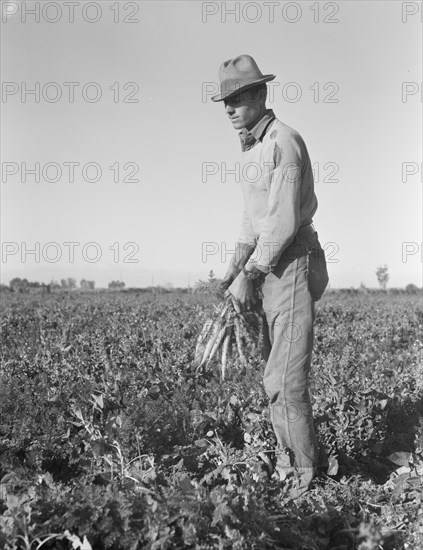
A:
108	440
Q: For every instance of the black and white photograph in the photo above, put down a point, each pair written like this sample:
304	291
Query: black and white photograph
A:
211	275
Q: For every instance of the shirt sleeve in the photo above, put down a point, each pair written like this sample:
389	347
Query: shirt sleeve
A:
246	234
283	208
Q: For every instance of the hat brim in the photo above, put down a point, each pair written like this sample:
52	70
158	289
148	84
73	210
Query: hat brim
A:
221	96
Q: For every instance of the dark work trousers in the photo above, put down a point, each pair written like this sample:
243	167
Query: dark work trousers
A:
288	304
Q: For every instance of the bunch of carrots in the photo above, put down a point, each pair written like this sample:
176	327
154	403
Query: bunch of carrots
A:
226	332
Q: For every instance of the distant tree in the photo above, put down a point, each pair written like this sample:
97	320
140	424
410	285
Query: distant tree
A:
116	285
46	289
211	286
382	276
363	288
23	285
19	285
15	284
87	285
71	283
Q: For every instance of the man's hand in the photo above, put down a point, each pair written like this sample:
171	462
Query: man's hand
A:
242	292
229	278
242	254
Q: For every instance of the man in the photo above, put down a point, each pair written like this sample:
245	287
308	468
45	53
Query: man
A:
277	250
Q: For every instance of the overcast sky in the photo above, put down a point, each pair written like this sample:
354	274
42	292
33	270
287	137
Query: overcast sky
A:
119	150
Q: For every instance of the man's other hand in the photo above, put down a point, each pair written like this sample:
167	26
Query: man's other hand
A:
242	292
243	251
229	278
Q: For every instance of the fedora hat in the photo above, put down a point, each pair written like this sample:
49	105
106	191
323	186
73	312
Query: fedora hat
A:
239	74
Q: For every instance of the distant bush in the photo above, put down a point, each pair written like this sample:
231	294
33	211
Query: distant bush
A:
412	289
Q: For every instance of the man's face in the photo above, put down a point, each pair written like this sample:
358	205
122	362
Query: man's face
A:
244	109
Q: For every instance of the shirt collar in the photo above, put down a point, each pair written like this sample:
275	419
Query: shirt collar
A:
250	137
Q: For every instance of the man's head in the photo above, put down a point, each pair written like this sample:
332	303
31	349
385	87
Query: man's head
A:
243	91
246	107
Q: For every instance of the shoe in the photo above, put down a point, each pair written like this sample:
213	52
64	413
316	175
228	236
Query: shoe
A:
292	484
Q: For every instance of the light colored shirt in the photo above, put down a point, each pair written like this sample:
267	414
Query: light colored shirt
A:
278	189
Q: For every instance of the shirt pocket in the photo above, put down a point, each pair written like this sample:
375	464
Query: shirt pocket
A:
257	171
